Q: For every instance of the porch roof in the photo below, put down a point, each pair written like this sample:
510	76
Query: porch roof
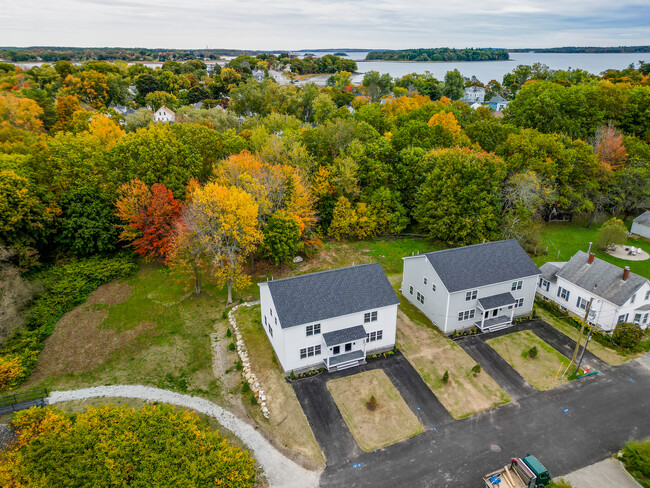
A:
344	358
344	335
496	301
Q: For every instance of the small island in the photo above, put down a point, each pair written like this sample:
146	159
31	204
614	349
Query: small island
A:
440	54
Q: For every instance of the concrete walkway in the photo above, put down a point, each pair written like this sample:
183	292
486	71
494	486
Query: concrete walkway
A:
280	471
605	474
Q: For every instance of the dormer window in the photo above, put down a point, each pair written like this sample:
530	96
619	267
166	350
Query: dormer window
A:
647	295
632	299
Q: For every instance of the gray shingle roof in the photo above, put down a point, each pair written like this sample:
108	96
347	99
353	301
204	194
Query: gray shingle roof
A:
497	99
494	301
601	278
549	270
342	336
319	296
474	266
643	219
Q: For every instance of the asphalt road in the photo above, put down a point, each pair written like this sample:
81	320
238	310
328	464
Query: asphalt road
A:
567	428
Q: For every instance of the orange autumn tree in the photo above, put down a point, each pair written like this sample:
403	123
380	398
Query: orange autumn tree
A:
447	121
149	217
20	123
219	226
608	145
66	106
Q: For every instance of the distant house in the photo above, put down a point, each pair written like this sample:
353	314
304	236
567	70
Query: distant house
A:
258	74
198	105
350	109
484	285
497	103
618	295
119	109
641	225
474	93
163	114
133	91
331	319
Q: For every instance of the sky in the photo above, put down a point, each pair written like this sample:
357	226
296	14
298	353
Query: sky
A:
322	24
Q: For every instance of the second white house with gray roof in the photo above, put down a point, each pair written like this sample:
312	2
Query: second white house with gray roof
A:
484	285
331	319
618	294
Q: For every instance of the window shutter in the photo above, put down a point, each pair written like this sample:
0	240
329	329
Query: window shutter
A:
559	290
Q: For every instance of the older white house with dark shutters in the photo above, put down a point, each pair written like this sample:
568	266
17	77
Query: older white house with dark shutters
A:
163	114
485	285
331	319
618	295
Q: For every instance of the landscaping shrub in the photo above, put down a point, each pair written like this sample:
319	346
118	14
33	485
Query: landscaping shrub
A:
445	377
224	315
228	333
239	366
636	457
245	387
532	352
231	346
559	483
476	369
157	445
371	404
627	336
253	400
64	287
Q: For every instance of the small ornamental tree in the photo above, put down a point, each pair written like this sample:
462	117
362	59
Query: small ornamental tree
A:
611	232
445	377
532	352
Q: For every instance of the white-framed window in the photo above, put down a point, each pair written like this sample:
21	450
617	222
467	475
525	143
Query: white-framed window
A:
411	289
270	330
516	285
310	351
645	319
313	329
622	318
544	284
582	303
637	318
425	280
420	298
466	315
471	295
632	299
519	302
370	317
433	287
374	336
647	295
563	293
266	322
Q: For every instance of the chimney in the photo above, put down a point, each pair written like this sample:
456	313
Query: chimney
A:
591	258
626	273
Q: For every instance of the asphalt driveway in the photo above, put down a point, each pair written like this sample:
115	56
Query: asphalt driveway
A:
328	425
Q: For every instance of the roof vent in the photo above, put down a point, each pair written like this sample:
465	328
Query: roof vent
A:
626	273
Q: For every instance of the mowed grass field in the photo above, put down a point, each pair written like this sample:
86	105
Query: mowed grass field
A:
384	422
566	238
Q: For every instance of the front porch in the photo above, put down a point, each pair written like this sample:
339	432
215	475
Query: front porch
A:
345	348
496	312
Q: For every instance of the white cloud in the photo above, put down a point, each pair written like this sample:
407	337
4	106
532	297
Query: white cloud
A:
296	24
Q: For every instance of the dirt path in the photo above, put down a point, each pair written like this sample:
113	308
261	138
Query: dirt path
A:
280	471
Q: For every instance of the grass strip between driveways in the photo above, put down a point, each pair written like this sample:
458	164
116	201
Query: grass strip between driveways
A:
373	424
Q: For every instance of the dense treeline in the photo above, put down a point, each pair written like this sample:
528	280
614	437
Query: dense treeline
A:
276	168
440	54
157	445
50	54
586	49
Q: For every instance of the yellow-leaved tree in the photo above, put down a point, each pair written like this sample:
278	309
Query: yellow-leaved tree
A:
223	224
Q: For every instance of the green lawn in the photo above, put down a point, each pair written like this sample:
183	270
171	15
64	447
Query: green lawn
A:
569	237
541	371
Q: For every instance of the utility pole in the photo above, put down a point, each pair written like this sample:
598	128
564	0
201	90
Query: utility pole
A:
582	331
582	355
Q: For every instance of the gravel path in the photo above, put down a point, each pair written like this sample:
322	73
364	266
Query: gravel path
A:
280	471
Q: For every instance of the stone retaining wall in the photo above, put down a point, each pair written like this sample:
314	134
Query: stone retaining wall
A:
247	372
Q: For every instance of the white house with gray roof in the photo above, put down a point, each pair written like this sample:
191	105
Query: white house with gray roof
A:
641	225
484	285
330	319
618	295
